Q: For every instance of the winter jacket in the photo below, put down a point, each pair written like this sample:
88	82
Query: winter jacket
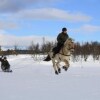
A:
5	63
62	37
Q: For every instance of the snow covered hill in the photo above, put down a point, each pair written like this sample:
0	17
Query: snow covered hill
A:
32	80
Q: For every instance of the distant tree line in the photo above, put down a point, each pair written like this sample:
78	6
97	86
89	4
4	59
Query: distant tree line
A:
81	49
86	49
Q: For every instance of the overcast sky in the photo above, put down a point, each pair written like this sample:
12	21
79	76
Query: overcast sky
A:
22	21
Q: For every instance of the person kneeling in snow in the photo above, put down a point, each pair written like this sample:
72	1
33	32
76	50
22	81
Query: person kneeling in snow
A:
5	66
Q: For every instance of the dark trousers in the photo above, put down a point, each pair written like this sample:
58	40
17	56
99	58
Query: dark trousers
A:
5	67
58	48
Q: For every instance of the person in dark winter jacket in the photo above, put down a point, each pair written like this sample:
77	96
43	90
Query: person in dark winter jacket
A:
61	38
5	66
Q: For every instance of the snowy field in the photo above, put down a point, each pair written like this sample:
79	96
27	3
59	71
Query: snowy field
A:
32	80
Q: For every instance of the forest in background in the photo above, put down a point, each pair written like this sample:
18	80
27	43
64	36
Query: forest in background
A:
84	49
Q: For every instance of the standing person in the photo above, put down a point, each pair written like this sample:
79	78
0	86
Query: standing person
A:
61	38
5	66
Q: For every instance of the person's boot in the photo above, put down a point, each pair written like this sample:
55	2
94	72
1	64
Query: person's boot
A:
53	55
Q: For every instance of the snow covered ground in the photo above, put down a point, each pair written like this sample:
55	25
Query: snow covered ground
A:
32	80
